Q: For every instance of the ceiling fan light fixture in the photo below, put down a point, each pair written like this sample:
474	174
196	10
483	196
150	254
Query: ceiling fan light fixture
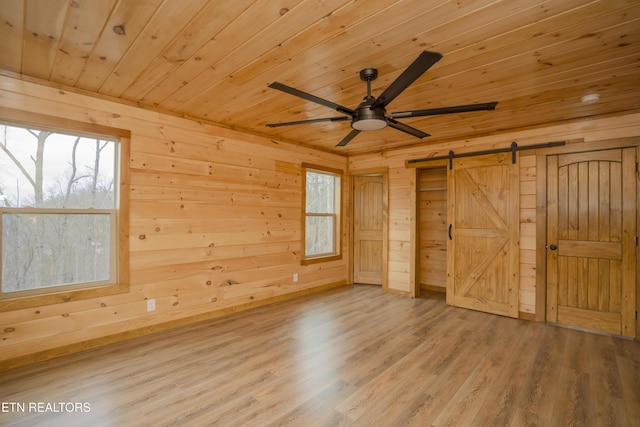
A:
369	124
367	118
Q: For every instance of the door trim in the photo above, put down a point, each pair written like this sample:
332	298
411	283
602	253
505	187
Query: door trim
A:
384	172
541	214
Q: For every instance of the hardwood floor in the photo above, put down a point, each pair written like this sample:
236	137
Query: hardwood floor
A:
348	356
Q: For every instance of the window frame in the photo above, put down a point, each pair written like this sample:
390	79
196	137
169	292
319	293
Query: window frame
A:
119	250
337	217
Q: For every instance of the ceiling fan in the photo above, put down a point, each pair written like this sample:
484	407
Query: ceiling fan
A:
371	114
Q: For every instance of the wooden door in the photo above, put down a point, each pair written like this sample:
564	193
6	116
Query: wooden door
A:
591	240
482	254
368	227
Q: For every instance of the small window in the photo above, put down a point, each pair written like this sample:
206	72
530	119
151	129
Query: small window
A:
58	205
321	213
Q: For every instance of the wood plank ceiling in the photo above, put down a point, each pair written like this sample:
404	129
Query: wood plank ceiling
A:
212	60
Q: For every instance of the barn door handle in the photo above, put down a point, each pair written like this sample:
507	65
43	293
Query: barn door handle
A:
553	247
450	225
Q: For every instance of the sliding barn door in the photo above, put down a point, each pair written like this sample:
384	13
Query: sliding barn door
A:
368	229
482	251
591	243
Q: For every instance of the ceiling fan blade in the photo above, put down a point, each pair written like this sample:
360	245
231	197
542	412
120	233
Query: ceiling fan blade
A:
303	122
312	98
348	138
421	64
406	129
445	110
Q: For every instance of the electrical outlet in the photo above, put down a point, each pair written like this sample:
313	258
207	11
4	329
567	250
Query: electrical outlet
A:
295	277
151	304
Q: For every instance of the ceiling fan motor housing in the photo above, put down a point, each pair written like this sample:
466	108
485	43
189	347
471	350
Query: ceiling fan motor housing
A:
366	118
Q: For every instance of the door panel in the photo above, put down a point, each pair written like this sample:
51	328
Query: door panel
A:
483	256
591	248
368	225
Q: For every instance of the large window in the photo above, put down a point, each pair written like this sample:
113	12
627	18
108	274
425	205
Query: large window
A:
321	213
59	204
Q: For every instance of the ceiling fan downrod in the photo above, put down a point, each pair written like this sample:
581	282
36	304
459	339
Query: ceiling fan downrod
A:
365	117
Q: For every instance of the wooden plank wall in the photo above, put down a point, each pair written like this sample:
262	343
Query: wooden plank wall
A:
527	233
402	185
432	226
215	224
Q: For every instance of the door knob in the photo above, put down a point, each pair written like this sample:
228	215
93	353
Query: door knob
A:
553	247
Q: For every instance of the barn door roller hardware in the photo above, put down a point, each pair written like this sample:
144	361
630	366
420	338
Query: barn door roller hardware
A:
512	149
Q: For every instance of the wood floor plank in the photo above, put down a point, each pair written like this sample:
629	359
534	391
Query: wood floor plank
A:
500	390
351	356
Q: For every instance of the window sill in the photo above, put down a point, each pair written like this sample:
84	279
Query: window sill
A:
21	302
319	259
